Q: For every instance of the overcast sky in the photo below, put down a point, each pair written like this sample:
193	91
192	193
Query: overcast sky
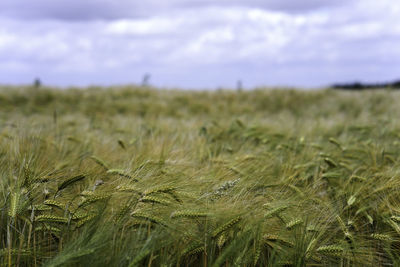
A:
199	43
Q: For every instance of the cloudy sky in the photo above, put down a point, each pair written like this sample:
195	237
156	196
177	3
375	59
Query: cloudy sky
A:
199	43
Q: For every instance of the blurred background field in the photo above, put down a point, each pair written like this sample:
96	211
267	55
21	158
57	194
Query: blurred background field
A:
133	176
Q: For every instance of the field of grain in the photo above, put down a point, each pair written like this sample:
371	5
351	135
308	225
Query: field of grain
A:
143	177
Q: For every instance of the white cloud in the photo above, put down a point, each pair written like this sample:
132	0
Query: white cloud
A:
6	39
150	26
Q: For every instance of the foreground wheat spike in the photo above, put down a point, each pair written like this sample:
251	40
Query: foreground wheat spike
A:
85	220
70	181
156	200
341	224
160	189
121	144
73	139
286	263
41	180
358	178
257	254
330	249
395	218
193	249
54	203
394	225
310	248
100	162
94	198
226	226
273	237
51	219
175	196
351	200
14	204
86	193
331	163
221	240
125	209
275	211
148	217
119	172
293	223
225	187
47	228
382	237
128	188
312	228
188	214
336	143
79	215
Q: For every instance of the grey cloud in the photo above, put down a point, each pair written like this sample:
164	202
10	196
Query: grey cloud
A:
64	10
278	5
107	9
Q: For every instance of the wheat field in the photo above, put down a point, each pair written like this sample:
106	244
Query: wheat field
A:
132	176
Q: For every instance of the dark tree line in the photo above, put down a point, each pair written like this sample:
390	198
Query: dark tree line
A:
363	86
